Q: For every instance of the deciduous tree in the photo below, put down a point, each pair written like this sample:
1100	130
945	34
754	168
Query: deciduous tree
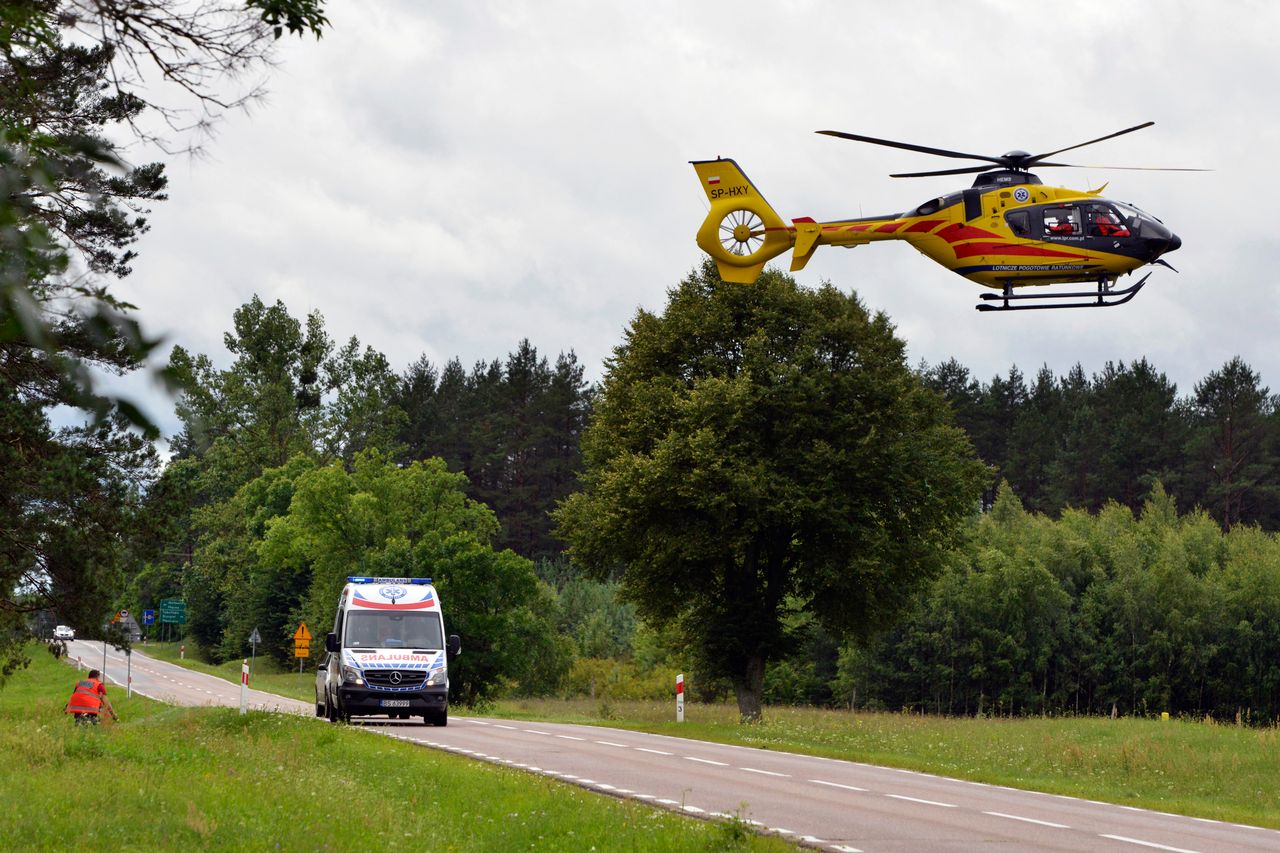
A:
755	445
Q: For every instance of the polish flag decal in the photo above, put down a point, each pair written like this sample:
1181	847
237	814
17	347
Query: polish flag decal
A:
714	179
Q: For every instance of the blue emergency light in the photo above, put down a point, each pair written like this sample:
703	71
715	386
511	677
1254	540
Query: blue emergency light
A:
390	580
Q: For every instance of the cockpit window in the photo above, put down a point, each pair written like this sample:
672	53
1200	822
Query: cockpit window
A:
1019	222
1104	221
1062	221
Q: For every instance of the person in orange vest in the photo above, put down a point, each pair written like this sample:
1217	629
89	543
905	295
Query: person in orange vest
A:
88	698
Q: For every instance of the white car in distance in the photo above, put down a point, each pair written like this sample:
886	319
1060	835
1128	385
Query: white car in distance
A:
63	632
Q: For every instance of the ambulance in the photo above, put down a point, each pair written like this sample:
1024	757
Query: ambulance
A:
387	653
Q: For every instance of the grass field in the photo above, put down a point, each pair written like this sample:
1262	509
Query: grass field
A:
168	778
1191	767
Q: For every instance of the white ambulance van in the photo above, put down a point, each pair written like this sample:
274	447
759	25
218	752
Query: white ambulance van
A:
387	654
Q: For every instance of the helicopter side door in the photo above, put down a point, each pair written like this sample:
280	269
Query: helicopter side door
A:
1062	221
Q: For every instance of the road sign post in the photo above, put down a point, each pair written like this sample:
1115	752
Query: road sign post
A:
244	686
680	698
254	639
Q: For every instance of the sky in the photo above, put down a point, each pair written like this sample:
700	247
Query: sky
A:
446	179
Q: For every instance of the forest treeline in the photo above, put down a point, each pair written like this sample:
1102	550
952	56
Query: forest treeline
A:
1078	588
1080	441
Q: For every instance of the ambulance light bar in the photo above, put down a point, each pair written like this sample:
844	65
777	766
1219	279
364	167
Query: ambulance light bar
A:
389	580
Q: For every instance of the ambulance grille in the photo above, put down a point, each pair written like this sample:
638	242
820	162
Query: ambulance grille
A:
395	679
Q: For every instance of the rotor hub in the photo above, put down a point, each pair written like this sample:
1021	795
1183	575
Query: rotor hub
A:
742	232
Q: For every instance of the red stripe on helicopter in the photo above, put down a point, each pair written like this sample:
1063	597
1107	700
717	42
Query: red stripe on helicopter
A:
890	227
968	250
956	232
926	225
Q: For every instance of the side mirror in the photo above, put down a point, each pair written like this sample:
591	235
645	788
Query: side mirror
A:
454	648
331	642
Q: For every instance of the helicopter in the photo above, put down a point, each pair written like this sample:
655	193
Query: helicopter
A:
1007	232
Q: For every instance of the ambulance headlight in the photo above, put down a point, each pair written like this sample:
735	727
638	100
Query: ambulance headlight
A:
437	678
351	675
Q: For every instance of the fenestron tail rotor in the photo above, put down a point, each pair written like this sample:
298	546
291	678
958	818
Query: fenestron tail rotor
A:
741	233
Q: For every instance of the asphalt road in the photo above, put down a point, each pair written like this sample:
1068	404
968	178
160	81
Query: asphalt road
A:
823	803
173	684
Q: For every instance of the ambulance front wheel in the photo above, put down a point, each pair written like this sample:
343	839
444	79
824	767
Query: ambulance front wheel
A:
440	719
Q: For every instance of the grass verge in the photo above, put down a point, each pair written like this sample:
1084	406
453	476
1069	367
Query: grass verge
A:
1188	767
177	778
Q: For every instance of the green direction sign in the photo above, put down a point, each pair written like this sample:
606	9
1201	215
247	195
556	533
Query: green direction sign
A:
173	611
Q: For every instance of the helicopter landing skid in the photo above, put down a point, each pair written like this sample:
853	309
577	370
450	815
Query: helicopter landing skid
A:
1103	297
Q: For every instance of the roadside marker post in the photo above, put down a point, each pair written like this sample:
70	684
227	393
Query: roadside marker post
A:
680	698
244	686
128	678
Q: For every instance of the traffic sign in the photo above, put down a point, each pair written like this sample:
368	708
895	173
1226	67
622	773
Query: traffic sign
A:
148	617
302	641
173	611
255	637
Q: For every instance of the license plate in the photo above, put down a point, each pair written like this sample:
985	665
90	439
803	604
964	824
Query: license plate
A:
394	703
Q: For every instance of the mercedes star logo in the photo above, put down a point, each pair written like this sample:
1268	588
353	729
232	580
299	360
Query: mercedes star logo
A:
394	677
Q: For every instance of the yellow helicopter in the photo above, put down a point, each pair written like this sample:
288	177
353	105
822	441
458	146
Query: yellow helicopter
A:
1007	231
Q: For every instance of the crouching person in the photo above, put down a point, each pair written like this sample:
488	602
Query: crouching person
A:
88	699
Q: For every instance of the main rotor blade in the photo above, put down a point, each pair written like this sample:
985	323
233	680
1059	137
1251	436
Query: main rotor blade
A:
965	171
923	149
1035	161
1123	168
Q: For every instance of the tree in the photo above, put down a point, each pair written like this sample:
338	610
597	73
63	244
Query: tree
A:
512	427
73	88
1232	446
755	445
382	519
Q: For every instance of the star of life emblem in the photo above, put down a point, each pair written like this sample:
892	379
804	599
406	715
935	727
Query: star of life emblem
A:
392	592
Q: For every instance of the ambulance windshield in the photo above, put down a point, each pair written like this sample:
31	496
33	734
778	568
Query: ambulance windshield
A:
379	629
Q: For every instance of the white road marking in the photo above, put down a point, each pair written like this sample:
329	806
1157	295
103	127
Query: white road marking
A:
570	737
765	772
536	732
667	802
926	802
1147	843
837	785
500	726
654	751
1028	820
846	849
694	810
705	761
611	743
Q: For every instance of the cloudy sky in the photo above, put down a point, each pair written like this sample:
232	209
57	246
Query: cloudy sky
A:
448	178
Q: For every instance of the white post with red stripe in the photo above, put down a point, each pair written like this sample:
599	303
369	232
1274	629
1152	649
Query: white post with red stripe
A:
680	698
244	686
